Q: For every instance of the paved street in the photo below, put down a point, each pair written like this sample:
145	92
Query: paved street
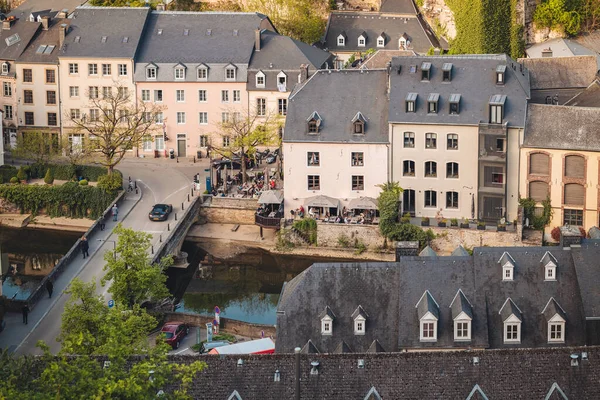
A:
160	181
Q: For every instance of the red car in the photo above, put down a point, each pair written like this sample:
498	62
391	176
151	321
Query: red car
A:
174	332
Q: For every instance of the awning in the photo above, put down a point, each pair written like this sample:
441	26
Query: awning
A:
363	203
322	201
271	197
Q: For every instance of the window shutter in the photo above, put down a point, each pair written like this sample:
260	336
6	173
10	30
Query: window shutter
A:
538	191
574	166
574	194
538	164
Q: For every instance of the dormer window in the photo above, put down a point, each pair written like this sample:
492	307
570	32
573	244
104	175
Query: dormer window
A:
327	317
432	103
362	40
381	40
556	319
511	317
151	72
202	72
403	42
462	315
428	312
447	72
5	68
500	74
454	104
260	79
179	73
508	266
341	39
281	81
549	263
230	73
359	316
358	123
497	108
314	123
425	71
411	102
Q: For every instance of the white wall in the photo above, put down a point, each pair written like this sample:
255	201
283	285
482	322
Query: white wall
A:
466	156
335	171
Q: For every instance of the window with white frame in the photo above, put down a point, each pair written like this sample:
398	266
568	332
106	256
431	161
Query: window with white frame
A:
202	98
409	139
361	41
260	80
7	89
93	92
202	73
226	141
146	117
326	325
145	94
158	96
237	96
224	117
122	69
341	40
151	73
431	140
230	74
408	168
94	115
314	182
203	118
451	199
75	113
430	169
147	143
430	198
428	329
507	272
462	329
380	41
106	69
8	112
556	330
180	95
73	91
73	68
512	332
281	81
123	92
452	141
5	68
261	107
550	271
224	96
313	159
282	105
159	117
358	182
357	158
452	170
159	142
237	116
495	114
92	69
179	73
359	325
203	141
181	117
106	92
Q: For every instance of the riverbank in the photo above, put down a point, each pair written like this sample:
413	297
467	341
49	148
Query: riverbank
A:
221	240
45	222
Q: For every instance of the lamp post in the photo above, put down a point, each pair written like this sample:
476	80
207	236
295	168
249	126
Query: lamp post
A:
114	246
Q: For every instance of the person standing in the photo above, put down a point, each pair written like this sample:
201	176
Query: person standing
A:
85	247
115	212
25	311
49	288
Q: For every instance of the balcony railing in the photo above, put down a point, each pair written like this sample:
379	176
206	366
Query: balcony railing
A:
267	222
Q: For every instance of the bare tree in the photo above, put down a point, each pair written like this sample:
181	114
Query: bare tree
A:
114	124
243	132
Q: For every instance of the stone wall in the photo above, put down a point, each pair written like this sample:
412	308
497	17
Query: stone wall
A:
450	238
232	326
229	210
328	234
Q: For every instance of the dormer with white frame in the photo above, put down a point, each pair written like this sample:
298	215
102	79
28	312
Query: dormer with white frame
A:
281	81
549	263
428	312
260	79
462	315
151	71
359	124
362	39
512	317
314	123
202	72
359	316
230	72
327	317
508	266
556	318
381	40
341	39
5	68
179	72
403	42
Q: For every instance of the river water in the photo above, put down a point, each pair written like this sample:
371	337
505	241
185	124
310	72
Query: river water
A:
246	287
28	255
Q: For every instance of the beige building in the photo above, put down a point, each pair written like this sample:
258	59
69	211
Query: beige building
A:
560	159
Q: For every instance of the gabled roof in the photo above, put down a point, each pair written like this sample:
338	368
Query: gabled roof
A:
359	117
561	72
13	42
314	116
309	348
460	252
506	258
375	347
557	392
427	252
510	308
548	257
372	394
327	312
460	304
90	24
590	97
44	38
38	6
477	394
553	308
359	312
562	48
427	304
342	348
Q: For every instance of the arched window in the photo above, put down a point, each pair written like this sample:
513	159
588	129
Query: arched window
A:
539	191
430	169
431	140
451	199
430	198
408	168
452	170
574	194
539	164
575	167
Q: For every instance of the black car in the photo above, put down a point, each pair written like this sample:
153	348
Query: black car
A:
160	212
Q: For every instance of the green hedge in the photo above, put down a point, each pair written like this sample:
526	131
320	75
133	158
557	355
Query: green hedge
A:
67	200
66	172
7	172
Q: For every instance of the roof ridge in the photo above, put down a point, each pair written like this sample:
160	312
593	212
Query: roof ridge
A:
90	7
201	12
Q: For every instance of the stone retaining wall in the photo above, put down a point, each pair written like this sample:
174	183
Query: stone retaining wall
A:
328	234
227	325
229	210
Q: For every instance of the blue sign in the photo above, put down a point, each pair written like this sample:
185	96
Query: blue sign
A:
217	310
111	303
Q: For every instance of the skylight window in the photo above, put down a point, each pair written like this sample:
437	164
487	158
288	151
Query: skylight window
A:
103	39
12	39
125	39
235	32
186	32
41	49
77	39
159	32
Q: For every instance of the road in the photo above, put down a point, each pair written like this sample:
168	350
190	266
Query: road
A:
160	181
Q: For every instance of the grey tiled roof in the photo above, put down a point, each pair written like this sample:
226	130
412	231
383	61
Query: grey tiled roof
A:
460	304
510	308
337	96
466	70
460	252
353	24
36	6
91	24
590	97
588	275
552	308
427	304
428	252
24	31
552	127
561	72
44	38
398	6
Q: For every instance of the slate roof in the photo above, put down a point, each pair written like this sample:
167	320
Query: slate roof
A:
460	304
381	58
562	48
398	7
510	308
353	24
460	252
90	24
590	97
552	127
337	96
427	304
552	308
474	101
43	6
588	275
44	38
428	252
561	72
25	31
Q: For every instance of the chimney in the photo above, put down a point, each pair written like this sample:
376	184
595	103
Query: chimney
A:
547	52
62	31
303	73
160	7
7	23
62	14
297	381
257	40
45	22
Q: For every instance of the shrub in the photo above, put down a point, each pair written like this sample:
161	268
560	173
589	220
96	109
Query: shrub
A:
454	222
14	179
555	234
409	232
360	247
110	183
7	172
343	240
83	182
49	178
22	174
405	219
480	223
425	219
307	226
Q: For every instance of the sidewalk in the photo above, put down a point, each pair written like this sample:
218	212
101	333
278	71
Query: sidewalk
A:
15	331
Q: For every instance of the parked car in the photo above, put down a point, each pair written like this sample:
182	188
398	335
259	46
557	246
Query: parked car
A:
208	346
174	332
160	212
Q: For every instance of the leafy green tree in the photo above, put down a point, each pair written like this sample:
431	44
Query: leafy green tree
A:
560	14
133	279
38	146
49	177
388	203
411	233
22	175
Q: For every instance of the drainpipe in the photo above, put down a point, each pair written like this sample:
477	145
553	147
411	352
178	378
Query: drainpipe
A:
297	370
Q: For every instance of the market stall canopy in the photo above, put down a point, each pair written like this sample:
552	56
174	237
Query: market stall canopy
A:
363	203
271	197
322	201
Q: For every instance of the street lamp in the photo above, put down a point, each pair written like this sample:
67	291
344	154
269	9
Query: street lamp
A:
114	246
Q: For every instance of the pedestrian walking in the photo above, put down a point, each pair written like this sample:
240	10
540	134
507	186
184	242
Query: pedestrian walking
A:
85	247
102	224
25	311
115	212
49	288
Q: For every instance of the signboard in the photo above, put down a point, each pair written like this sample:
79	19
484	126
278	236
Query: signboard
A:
111	303
209	332
215	327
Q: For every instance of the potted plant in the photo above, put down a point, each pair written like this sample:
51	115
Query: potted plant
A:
501	227
425	221
442	222
480	226
464	223
453	222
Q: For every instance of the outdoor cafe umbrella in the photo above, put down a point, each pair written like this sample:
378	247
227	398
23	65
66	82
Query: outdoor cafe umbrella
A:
322	201
271	197
363	203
